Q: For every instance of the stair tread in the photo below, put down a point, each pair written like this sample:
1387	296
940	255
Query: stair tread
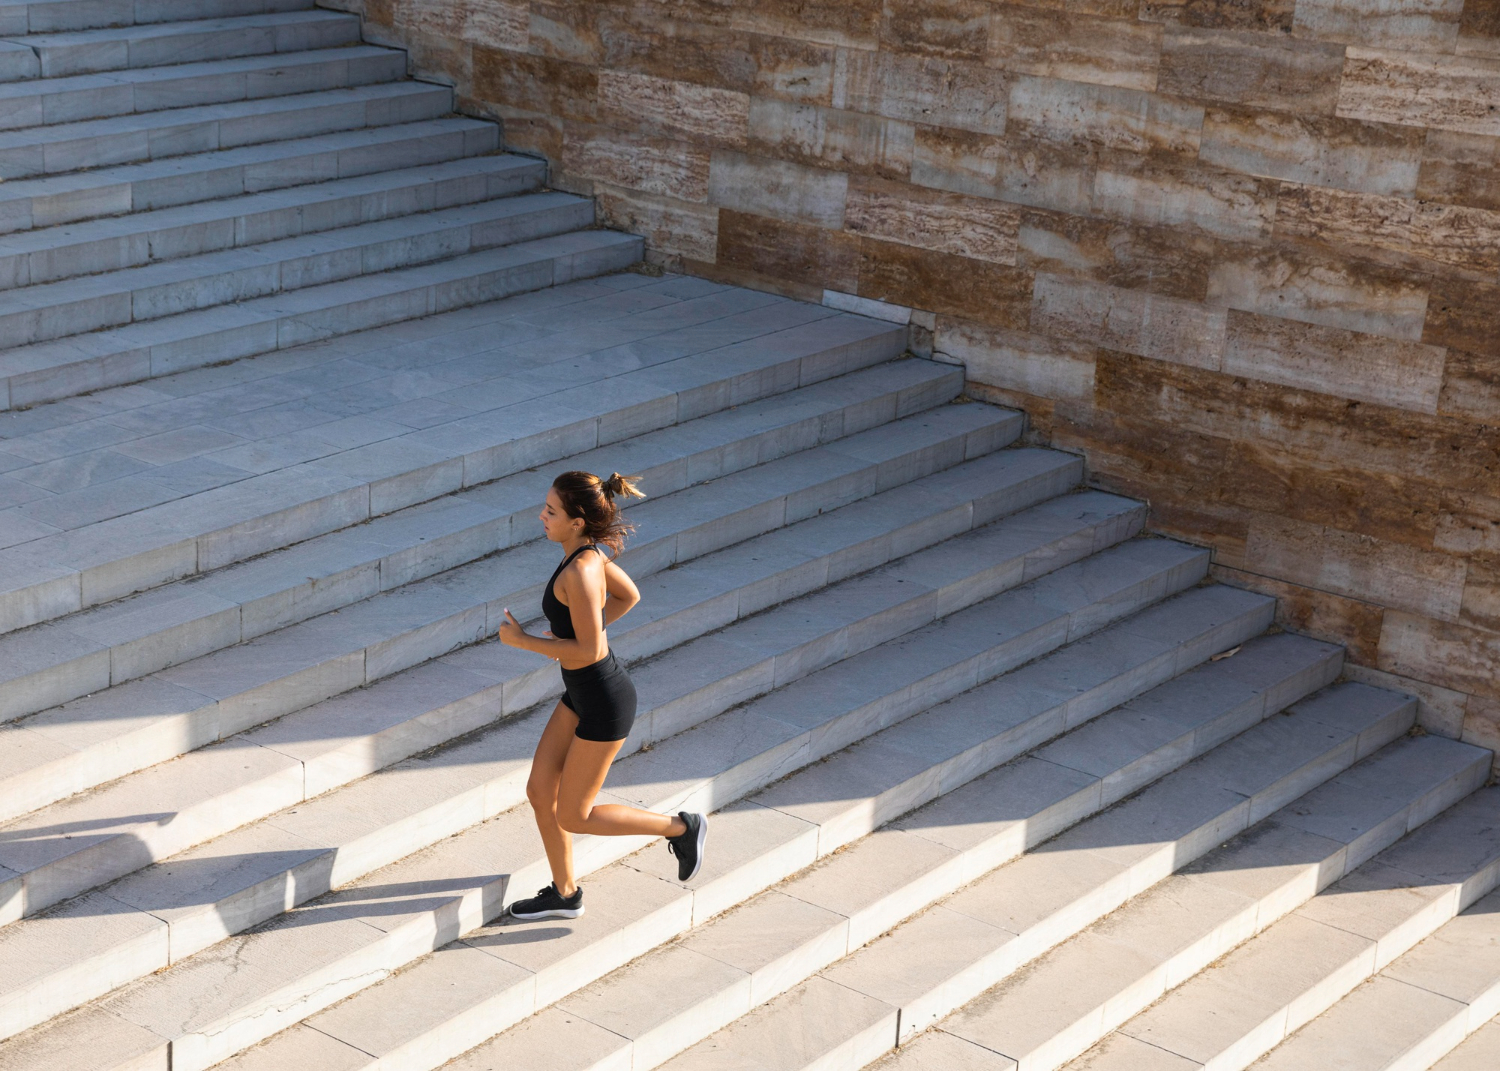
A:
52	16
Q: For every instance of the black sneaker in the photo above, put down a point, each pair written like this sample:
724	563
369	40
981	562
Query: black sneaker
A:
688	846
548	903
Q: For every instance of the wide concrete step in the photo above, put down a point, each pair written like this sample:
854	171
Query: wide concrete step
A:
771	846
111	191
1299	966
114	48
233	276
1018	924
776	939
331	743
126	139
54	16
116	242
38	102
1419	1007
672	999
509	412
122	640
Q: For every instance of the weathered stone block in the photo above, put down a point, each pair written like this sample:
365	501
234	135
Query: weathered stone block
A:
670	226
781	249
1343	153
1103	117
829	138
1254	69
976	227
944	283
777	189
1017	360
918	89
1424	26
1067	43
652	165
1148	325
677	109
1444	92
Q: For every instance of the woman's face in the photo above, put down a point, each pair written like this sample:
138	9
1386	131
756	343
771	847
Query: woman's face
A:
555	520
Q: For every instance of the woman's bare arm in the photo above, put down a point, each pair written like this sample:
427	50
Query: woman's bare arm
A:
621	594
582	588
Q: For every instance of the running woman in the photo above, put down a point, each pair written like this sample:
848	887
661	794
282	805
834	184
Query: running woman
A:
587	593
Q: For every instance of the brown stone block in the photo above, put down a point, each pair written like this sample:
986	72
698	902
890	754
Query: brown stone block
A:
1414	25
495	23
1018	170
1471	387
1106	9
778	189
1257	70
975	227
1263	15
956	29
1319	614
795	252
1017	361
944	283
1463	315
1356	565
1428	233
654	165
535	84
1316	286
1132	321
566	30
848	141
1162	260
1090	117
1480	24
1344	153
921	89
1117	51
1453	655
1481	603
1214	202
670	226
844	23
638	39
1461	169
1265	478
1481	727
1470	525
674	109
537	134
1439	710
1447	92
1331	360
1461	457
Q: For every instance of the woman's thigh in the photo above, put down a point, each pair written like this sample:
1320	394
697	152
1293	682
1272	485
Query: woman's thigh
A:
552	752
584	770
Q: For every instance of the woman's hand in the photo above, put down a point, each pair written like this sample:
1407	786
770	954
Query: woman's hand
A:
511	632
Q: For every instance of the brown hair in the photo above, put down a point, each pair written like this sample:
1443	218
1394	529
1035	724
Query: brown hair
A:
586	496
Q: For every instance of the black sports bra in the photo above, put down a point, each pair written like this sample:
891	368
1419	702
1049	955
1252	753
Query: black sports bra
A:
558	615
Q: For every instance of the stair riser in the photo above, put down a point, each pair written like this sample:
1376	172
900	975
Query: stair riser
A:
62	16
268	222
193	46
247	283
17	63
560	980
212	135
293	75
123	853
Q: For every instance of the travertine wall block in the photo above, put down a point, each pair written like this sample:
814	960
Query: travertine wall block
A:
1244	255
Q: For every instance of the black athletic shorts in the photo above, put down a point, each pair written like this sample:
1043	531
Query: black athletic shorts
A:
603	697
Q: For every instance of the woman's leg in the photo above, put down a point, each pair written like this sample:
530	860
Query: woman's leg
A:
541	790
583	774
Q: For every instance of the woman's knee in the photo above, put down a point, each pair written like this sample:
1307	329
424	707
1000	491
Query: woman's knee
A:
541	791
572	819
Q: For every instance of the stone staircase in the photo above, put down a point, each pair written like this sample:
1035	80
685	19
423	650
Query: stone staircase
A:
291	357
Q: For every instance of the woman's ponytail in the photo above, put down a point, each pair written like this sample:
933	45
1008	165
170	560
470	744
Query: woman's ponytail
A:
618	485
585	496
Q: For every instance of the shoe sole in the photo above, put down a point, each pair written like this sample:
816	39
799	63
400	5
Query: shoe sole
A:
698	855
558	913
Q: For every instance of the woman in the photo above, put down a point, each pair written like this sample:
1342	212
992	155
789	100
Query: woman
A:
586	594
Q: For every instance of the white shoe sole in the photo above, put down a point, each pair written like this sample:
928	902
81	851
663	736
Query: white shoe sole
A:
698	856
555	913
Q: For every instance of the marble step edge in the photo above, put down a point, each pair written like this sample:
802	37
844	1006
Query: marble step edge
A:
58	575
37	875
30	152
51	254
115	299
745	775
1353	928
1480	1051
55	16
1414	1010
875	882
104	646
42	101
78	196
79	746
113	48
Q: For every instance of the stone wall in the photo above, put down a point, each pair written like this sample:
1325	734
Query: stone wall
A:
1243	254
